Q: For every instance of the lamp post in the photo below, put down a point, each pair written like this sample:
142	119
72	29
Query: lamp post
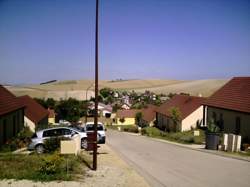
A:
96	89
87	99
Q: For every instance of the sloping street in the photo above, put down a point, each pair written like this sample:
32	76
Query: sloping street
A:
163	164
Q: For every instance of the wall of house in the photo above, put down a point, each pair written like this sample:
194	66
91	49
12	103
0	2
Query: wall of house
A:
14	123
146	123
42	123
33	127
51	120
192	120
165	123
29	123
128	121
229	118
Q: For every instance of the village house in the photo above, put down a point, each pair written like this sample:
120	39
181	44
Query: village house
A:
148	115
52	116
104	110
229	107
191	113
35	116
11	115
126	117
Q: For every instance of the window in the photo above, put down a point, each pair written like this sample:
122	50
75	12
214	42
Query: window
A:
53	132
66	131
237	125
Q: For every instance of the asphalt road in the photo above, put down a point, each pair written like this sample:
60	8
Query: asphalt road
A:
163	164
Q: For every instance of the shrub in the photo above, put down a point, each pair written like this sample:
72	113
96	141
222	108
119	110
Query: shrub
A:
51	164
21	140
187	139
53	144
130	128
152	131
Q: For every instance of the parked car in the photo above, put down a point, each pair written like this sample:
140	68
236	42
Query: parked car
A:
39	137
64	122
101	137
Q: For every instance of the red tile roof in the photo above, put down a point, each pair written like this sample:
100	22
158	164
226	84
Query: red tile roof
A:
149	113
8	102
127	113
185	103
234	95
34	111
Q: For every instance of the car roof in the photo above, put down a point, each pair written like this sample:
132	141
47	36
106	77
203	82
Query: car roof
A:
92	123
54	128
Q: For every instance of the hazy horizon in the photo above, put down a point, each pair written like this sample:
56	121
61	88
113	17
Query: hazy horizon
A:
179	40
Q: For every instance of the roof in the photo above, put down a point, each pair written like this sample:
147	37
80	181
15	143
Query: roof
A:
234	95
127	113
34	111
8	102
51	113
185	103
148	114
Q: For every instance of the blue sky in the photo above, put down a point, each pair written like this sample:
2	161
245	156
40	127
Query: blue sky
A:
139	39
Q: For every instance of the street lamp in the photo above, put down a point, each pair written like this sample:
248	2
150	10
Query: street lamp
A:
87	99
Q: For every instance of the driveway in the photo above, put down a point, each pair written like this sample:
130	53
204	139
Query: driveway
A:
163	164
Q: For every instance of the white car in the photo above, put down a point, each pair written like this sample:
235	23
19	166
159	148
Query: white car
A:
101	137
64	122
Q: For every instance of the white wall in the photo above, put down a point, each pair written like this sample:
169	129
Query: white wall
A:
192	119
29	123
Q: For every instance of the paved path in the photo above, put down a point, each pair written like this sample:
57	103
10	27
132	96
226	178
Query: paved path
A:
163	164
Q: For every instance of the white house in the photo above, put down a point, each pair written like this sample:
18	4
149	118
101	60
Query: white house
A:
35	116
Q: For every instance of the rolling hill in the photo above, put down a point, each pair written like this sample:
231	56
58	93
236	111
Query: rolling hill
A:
78	88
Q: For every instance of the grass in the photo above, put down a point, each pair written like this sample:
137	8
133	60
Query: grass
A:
186	137
125	128
40	167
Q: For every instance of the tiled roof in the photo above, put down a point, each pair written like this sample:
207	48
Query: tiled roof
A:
234	95
148	114
127	113
185	103
34	111
8	102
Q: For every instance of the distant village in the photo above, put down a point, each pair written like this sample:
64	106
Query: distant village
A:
228	109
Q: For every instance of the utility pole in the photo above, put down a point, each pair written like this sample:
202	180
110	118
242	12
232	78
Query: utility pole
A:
96	88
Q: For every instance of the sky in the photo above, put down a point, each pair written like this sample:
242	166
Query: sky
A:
42	40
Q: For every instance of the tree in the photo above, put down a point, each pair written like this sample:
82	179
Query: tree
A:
175	116
41	102
51	103
71	109
105	92
138	119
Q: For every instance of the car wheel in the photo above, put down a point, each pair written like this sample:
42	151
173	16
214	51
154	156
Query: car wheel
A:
84	143
40	149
